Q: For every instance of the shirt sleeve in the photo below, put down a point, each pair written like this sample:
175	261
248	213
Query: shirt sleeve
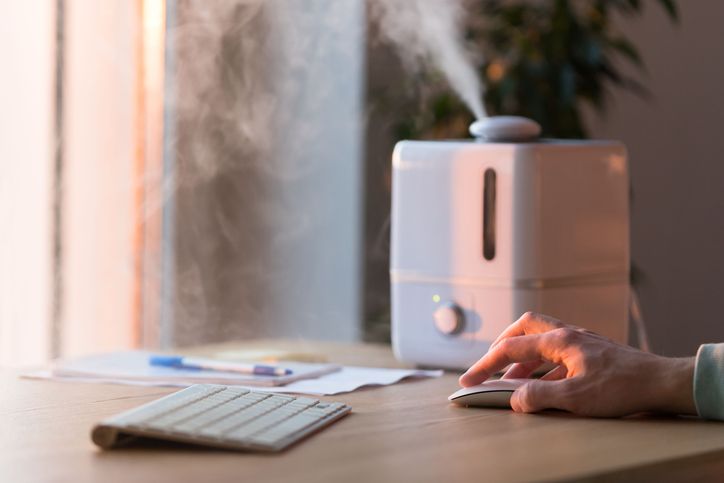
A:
709	381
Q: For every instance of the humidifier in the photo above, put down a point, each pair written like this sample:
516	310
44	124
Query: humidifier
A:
484	230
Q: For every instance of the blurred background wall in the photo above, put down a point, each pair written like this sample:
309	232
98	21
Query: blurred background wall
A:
676	149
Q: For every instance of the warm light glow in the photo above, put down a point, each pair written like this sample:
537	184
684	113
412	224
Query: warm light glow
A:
436	298
149	161
154	13
495	71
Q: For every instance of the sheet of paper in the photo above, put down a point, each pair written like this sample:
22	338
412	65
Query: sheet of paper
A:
347	379
351	378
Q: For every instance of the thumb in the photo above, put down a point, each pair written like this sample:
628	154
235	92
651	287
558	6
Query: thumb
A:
539	395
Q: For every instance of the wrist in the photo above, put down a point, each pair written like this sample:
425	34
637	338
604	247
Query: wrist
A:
676	390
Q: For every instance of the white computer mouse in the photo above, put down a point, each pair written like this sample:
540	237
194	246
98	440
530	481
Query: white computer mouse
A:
490	394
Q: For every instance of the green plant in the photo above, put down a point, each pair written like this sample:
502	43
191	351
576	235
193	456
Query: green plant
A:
542	59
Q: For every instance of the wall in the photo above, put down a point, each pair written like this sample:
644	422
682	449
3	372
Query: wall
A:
676	150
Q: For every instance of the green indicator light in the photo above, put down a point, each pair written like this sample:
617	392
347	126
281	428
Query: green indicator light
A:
436	298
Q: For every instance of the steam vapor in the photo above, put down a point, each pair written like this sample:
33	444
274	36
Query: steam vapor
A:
430	31
249	77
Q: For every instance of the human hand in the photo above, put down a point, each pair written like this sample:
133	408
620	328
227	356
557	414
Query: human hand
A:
594	376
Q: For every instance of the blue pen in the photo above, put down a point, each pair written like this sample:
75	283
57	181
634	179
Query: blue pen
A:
200	364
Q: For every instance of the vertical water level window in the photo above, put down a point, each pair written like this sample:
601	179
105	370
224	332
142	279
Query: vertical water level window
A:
489	181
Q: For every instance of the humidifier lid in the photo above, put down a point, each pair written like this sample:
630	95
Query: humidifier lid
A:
505	129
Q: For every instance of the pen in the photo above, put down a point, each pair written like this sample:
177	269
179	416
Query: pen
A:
200	364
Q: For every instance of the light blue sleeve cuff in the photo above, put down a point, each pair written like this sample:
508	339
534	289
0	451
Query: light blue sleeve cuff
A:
709	381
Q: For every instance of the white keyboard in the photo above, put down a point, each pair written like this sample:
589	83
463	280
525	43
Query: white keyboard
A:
221	416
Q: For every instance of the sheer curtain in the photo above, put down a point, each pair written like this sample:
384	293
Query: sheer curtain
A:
26	154
70	178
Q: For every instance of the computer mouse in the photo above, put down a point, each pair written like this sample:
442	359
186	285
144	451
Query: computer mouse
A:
490	394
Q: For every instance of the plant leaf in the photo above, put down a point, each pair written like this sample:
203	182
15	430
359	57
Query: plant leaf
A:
671	8
628	50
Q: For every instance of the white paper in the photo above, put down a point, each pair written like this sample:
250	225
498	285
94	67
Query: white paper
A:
348	379
351	378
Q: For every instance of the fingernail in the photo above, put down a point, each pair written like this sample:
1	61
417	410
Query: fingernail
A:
514	403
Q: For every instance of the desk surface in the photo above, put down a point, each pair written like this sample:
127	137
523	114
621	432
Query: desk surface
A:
404	432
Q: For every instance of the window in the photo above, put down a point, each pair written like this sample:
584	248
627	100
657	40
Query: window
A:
133	218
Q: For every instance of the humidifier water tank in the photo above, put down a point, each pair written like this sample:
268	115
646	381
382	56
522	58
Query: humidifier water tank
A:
483	232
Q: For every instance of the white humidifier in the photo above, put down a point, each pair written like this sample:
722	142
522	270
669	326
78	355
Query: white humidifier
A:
485	230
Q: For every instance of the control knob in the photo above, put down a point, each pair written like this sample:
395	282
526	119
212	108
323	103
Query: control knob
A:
449	318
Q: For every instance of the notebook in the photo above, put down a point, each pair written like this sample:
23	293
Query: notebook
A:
133	366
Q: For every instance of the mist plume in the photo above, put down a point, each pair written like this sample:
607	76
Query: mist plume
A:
254	127
430	31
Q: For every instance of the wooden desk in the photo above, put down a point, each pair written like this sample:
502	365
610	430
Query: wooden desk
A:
404	432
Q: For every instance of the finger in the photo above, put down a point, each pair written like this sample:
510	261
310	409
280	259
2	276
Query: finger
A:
529	323
525	348
522	370
554	374
539	395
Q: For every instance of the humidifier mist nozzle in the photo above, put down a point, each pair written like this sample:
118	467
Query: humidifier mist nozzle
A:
505	129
